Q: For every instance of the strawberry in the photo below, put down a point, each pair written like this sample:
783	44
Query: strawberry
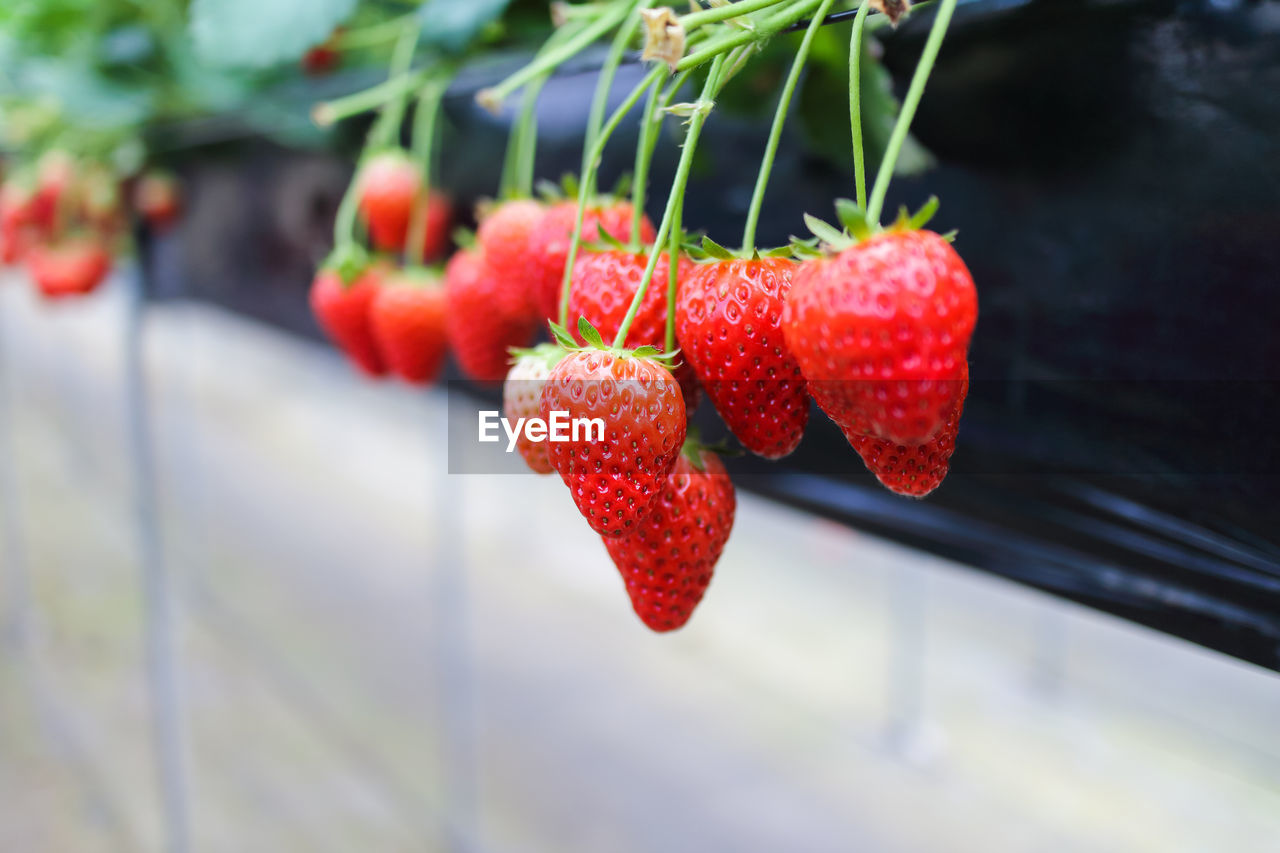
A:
613	481
485	318
881	332
407	318
389	186
522	398
551	239
504	237
342	310
667	560
913	471
156	199
604	283
73	267
728	321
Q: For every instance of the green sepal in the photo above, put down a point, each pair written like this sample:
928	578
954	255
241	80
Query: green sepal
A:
950	236
623	186
780	252
589	334
562	336
464	238
549	354
825	232
605	240
715	250
922	216
348	260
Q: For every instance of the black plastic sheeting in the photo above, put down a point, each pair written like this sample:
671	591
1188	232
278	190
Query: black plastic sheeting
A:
1114	171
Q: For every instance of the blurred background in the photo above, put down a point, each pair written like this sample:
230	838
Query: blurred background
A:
246	607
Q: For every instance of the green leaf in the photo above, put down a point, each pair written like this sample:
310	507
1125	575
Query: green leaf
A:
252	33
451	25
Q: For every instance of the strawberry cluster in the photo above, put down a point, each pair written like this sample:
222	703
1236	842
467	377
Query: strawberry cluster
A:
63	219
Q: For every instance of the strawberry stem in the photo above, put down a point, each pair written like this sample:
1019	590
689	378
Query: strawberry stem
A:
644	156
775	133
387	128
586	184
424	137
758	32
693	20
548	62
675	201
855	104
909	104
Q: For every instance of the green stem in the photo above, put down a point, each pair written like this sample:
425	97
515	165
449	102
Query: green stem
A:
528	152
389	123
424	134
918	80
775	133
693	20
586	184
673	275
551	60
855	104
330	112
648	143
675	201
644	156
604	83
762	30
374	34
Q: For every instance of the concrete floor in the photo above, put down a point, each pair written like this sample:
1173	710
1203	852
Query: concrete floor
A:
377	656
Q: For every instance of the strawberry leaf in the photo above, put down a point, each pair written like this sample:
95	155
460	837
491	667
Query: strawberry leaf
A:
253	34
451	26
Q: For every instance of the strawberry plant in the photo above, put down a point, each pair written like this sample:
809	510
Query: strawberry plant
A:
872	321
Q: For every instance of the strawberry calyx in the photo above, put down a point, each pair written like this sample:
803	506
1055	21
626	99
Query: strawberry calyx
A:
348	260
828	238
594	341
417	276
709	251
549	354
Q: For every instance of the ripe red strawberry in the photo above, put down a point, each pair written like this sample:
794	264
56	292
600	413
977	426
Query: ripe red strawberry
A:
604	283
157	200
881	332
551	239
614	481
728	321
389	186
522	398
407	317
913	471
485	318
73	267
504	237
667	560
342	310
